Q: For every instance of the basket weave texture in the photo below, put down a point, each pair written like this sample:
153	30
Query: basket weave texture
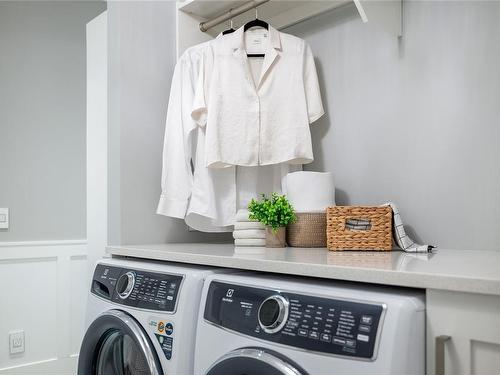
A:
308	231
341	237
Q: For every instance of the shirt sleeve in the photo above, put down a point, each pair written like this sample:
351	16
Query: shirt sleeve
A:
200	103
311	86
177	174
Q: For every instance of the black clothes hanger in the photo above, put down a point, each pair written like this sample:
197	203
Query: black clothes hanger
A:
229	31
256	23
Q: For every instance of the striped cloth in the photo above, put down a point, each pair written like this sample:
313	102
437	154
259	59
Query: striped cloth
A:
400	236
358	224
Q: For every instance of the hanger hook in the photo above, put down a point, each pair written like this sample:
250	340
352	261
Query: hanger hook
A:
232	24
256	13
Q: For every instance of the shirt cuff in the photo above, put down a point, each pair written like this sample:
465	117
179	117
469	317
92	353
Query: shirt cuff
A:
172	207
315	117
199	115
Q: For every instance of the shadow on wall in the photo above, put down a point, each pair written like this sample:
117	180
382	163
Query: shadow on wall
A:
178	231
320	128
341	197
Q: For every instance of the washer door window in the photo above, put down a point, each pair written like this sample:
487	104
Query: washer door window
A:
115	344
254	361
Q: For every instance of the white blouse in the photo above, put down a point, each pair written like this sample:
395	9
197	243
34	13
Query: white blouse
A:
206	198
257	119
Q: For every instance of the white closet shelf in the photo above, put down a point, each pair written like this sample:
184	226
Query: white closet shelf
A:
279	13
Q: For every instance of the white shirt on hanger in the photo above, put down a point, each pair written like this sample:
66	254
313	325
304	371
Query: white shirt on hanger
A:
254	118
206	198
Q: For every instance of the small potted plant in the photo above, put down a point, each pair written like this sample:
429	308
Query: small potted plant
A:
275	213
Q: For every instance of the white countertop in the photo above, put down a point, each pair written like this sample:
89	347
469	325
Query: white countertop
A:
457	270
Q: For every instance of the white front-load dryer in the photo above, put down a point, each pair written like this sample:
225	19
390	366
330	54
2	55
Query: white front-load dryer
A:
141	318
269	325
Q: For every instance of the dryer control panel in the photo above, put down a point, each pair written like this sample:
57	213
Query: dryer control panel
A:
326	325
137	288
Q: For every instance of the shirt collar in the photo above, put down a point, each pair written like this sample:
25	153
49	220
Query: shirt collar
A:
238	38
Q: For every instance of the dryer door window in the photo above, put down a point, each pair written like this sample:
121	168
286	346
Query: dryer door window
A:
120	354
115	344
254	361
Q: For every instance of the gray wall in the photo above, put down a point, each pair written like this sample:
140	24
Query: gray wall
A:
415	122
42	118
142	56
426	105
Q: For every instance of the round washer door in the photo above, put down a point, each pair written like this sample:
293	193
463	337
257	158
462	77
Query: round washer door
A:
254	361
115	344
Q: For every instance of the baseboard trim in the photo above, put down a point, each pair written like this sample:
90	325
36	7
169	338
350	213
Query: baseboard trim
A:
52	366
30	364
38	250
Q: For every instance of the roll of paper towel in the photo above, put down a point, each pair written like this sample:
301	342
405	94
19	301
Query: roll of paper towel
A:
309	191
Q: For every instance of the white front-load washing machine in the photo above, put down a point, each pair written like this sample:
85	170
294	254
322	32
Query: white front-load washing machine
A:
141	318
269	325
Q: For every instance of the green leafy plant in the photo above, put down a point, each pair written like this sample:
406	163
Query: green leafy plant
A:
275	211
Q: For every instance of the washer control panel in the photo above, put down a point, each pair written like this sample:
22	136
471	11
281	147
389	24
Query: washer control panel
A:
325	325
137	288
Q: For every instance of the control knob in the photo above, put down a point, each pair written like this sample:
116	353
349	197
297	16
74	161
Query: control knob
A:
125	284
273	313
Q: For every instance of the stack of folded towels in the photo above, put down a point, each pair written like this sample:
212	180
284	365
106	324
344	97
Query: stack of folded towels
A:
247	232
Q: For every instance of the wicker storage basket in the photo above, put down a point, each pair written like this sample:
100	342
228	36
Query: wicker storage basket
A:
359	228
308	231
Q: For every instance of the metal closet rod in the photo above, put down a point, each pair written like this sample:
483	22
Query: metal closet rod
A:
231	13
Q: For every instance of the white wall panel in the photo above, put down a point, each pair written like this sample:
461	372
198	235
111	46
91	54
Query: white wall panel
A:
97	137
29	288
78	297
43	287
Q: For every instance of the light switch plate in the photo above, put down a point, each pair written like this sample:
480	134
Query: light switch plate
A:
4	218
16	340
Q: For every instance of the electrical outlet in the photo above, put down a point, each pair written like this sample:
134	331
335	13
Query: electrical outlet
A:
16	340
4	218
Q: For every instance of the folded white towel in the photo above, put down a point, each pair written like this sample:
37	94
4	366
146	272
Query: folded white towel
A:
249	233
250	242
248	225
242	215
